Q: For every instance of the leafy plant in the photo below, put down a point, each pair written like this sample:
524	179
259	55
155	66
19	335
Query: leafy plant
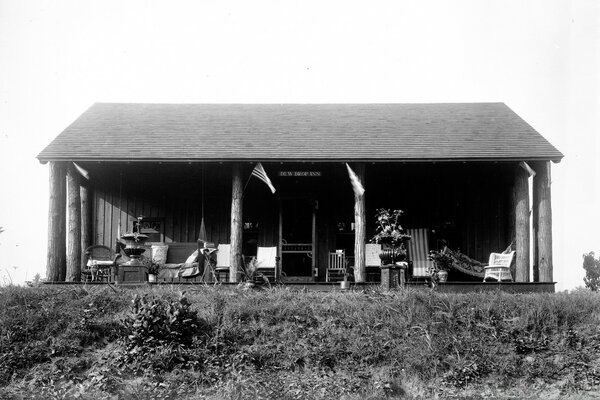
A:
441	260
592	271
251	272
153	268
157	332
388	230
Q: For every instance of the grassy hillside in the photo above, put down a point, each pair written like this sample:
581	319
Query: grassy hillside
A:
95	342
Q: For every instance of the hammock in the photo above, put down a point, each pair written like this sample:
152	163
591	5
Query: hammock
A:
466	264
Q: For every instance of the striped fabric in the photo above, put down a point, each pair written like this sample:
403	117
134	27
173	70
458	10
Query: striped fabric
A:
261	174
418	250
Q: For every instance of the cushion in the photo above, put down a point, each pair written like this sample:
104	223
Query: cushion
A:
192	258
169	271
159	254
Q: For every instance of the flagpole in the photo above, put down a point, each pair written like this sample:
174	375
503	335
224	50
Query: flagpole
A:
120	204
247	182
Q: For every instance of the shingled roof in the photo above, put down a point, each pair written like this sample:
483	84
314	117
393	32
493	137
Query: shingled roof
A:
307	132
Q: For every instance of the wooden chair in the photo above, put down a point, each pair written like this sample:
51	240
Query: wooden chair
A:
100	260
418	252
336	268
223	262
267	263
498	268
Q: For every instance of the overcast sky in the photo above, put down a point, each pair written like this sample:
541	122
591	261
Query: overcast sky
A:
541	58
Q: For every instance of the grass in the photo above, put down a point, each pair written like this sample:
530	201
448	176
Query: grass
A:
79	343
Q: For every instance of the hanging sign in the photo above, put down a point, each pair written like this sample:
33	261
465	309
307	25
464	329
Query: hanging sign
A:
300	173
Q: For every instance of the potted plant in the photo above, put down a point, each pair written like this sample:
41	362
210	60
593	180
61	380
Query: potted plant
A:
345	284
250	273
390	234
442	262
153	271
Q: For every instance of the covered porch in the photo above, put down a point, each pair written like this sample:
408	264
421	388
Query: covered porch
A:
470	207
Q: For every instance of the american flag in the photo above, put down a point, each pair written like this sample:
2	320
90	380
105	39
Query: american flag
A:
260	173
359	189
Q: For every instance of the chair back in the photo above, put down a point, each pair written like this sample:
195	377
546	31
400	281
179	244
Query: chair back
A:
501	260
337	260
224	256
418	252
266	257
100	253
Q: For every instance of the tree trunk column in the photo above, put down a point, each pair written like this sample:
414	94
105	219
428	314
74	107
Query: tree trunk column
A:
86	221
522	224
359	227
74	225
543	212
55	262
237	193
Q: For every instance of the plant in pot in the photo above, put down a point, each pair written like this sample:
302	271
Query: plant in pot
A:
345	284
153	270
251	273
390	234
442	262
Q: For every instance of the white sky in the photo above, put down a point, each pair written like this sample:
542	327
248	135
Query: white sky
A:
541	58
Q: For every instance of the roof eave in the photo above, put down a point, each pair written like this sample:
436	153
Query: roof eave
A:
555	159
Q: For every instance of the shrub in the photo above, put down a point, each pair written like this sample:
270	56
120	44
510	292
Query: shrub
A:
592	271
158	332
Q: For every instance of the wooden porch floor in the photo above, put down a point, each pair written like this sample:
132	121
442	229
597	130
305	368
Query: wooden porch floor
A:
448	287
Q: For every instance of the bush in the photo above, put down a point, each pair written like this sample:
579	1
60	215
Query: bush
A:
158	332
592	271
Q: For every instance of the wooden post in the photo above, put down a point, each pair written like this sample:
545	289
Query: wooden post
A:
512	231
86	221
543	212
522	224
237	193
55	262
359	228
535	267
73	225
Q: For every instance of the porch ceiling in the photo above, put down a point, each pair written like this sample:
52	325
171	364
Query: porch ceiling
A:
299	132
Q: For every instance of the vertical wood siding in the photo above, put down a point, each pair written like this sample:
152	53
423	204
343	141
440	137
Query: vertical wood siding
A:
466	204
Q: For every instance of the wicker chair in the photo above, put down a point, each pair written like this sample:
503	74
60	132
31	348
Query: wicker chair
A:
100	260
498	268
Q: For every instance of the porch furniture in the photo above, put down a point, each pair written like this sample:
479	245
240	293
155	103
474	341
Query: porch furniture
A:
100	260
178	255
223	262
209	274
418	252
336	267
267	263
498	268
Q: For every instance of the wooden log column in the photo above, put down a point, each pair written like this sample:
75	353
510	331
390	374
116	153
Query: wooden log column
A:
86	221
55	263
359	228
521	224
73	225
237	196
543	218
